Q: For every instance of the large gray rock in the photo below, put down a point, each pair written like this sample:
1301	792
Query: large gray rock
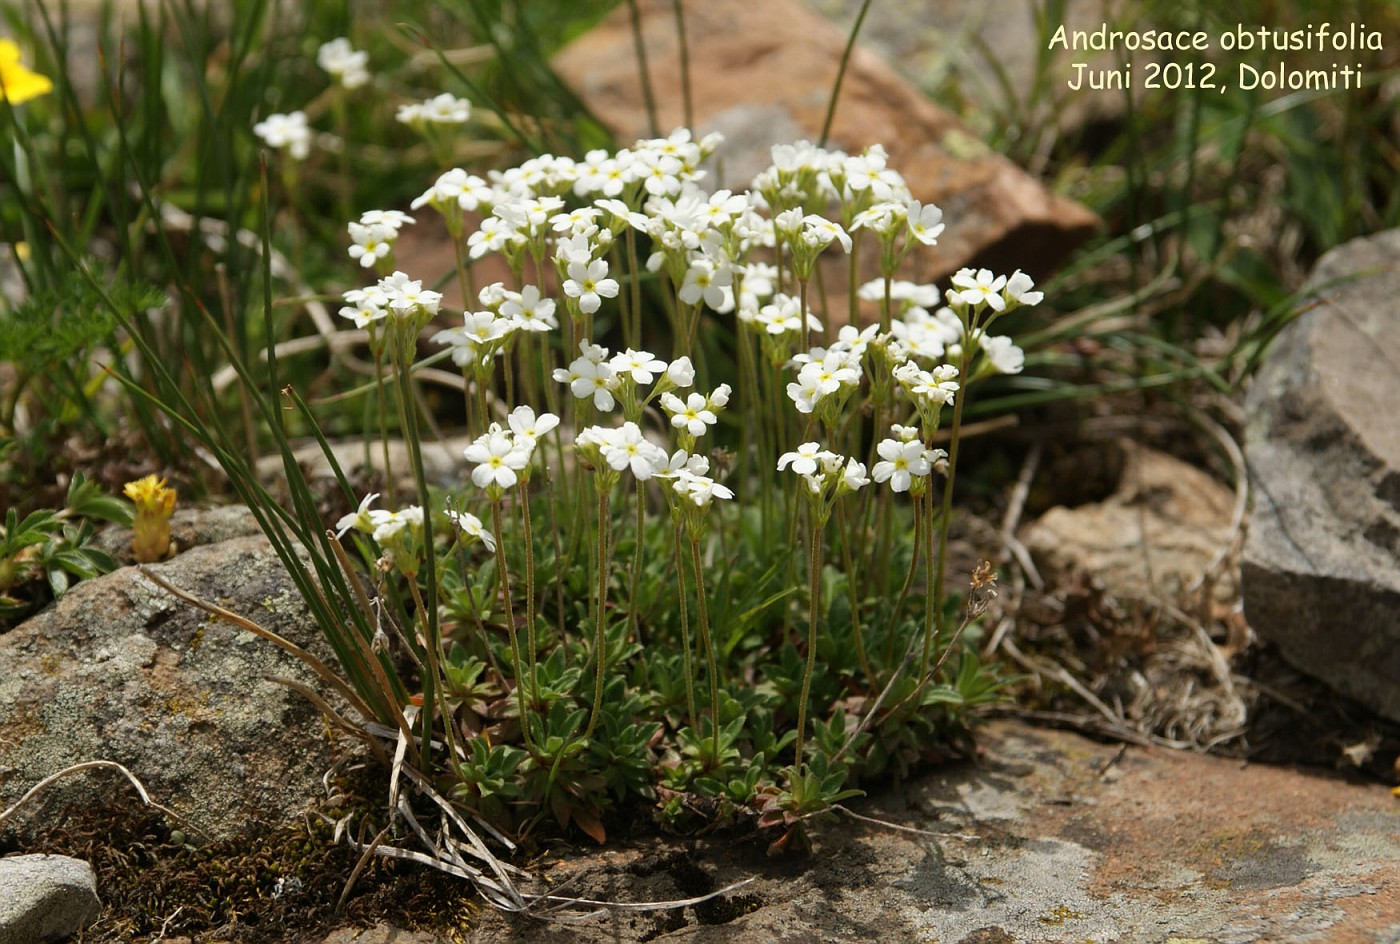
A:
1322	563
45	898
120	670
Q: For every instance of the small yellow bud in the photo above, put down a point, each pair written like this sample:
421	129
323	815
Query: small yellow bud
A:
154	505
17	83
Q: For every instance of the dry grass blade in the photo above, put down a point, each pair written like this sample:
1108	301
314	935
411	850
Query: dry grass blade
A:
331	715
95	765
367	655
359	867
886	824
456	840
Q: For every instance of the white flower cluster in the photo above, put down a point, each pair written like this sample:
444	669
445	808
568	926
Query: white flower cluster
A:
444	109
348	66
710	249
502	456
395	294
288	131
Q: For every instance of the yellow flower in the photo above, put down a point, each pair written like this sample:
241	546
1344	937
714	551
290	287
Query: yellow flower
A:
154	505
17	83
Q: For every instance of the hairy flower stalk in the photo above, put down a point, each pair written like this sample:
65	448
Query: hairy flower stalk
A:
814	590
687	664
706	641
600	645
522	671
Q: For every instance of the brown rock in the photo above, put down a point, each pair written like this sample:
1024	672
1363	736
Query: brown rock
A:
983	45
761	73
1048	837
1153	538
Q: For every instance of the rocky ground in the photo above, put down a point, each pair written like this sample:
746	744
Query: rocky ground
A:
1130	619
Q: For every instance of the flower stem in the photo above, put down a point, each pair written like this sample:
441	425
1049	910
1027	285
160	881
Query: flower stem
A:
529	536
687	668
520	668
851	581
945	518
600	642
814	604
706	641
841	73
635	605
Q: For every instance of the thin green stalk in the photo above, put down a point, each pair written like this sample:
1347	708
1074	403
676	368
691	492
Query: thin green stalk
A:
635	604
686	664
383	397
432	648
802	313
909	576
852	579
643	73
521	670
554	500
705	639
687	104
945	519
600	642
409	420
841	73
529	536
814	605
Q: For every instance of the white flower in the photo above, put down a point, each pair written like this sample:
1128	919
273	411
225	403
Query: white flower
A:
699	488
693	414
359	519
388	525
818	232
805	459
627	448
1018	289
642	366
407	294
1006	357
682	461
901	461
363	314
882	218
528	427
529	310
806	392
497	460
471	526
286	131
681	372
704	280
589	378
853	476
587	282
392	219
925	222
370	243
440	109
980	287
343	62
